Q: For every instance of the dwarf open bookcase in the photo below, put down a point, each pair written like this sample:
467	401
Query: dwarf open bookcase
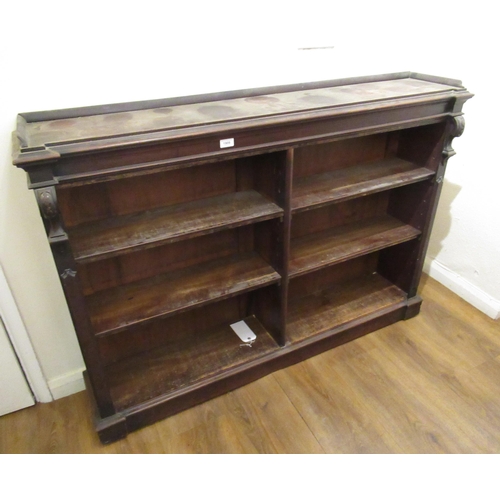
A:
297	216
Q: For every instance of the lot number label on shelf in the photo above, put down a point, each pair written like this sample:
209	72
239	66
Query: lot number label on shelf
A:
227	143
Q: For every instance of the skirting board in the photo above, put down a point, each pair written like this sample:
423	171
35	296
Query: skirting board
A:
67	384
467	291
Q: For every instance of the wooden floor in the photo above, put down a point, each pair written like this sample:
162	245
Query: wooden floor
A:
427	385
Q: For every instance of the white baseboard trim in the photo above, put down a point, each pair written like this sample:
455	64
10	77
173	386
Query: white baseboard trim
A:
469	292
67	384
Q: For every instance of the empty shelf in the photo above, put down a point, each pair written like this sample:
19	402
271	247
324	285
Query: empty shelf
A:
336	306
322	249
122	234
339	185
184	362
116	309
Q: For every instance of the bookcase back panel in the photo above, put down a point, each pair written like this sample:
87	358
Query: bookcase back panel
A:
261	173
130	195
338	214
422	145
112	272
172	330
320	158
124	269
409	203
317	281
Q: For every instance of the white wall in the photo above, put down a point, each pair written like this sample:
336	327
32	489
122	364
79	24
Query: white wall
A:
65	54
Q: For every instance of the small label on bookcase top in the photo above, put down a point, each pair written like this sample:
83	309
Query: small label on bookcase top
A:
227	143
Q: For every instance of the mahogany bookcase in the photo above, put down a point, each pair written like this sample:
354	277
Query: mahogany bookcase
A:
303	210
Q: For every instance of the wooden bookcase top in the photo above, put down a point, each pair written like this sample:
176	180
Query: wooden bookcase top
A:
178	117
282	114
46	128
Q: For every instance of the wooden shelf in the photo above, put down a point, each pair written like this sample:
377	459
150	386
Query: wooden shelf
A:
339	185
176	365
325	248
120	235
119	308
339	305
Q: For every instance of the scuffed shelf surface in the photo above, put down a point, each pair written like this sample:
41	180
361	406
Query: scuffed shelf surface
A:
116	309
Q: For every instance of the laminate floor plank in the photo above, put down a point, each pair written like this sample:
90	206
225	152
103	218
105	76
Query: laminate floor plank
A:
336	414
257	418
269	419
426	385
433	412
433	389
404	416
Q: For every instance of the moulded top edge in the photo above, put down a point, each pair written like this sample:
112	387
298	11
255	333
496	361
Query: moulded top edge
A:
57	114
237	107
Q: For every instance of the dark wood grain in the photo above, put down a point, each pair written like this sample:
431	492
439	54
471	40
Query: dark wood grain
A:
148	192
72	287
347	242
177	365
321	279
339	185
120	235
156	334
330	308
338	154
428	386
123	269
183	116
315	220
116	309
85	163
339	214
231	94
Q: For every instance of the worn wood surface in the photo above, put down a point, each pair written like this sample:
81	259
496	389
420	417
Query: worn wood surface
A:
192	187
335	245
116	309
190	115
135	266
184	361
128	196
325	157
84	148
427	385
339	214
334	306
116	236
339	185
156	152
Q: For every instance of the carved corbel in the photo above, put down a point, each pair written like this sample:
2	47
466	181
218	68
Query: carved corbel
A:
47	203
457	129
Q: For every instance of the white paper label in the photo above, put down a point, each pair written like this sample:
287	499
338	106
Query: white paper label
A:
243	331
227	143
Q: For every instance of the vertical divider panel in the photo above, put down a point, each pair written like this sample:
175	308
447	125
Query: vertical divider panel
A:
271	302
285	196
287	182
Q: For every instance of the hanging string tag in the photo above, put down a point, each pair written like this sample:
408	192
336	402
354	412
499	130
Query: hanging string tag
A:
244	333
